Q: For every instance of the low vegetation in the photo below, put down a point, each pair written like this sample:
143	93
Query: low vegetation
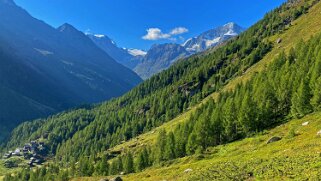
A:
252	158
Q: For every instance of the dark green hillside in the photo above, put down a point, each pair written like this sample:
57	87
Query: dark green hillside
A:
44	70
177	89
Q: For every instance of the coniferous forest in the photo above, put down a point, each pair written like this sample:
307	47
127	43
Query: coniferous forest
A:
288	88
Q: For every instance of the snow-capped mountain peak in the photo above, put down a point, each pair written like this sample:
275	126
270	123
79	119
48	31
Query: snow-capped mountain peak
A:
212	37
230	24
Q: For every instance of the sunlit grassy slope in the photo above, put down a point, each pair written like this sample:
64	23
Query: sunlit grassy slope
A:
302	29
3	170
296	156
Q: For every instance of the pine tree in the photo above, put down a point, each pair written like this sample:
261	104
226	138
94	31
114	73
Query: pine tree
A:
140	163
86	167
103	167
301	100
316	99
217	127
246	114
114	168
191	146
229	120
170	147
160	146
129	163
181	138
204	132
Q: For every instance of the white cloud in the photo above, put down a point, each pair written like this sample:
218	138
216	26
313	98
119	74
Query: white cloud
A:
157	34
179	30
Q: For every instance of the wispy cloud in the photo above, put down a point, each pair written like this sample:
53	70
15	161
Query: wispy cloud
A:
157	34
178	31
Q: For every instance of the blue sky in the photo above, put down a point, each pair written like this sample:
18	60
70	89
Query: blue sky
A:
127	21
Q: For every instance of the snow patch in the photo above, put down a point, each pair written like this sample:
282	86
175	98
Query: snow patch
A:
184	44
136	52
194	47
43	52
230	33
100	36
209	43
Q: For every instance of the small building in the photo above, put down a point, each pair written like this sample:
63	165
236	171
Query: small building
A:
17	152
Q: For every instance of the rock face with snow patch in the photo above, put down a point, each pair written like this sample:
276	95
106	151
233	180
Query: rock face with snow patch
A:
161	57
127	57
212	37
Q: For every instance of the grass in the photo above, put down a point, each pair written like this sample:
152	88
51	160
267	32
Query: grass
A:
4	170
296	157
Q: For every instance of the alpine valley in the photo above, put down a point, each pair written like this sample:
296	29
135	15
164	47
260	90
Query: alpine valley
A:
162	56
230	104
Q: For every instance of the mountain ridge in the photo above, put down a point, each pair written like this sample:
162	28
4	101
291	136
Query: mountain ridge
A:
151	65
34	53
212	37
121	55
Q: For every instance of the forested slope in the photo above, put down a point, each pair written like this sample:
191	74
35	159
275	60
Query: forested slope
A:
188	82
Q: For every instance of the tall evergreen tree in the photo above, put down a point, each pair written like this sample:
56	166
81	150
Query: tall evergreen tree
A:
170	146
301	100
103	166
160	146
316	99
128	163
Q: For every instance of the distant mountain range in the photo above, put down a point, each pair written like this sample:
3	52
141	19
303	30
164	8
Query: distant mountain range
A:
44	70
212	37
127	57
162	56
